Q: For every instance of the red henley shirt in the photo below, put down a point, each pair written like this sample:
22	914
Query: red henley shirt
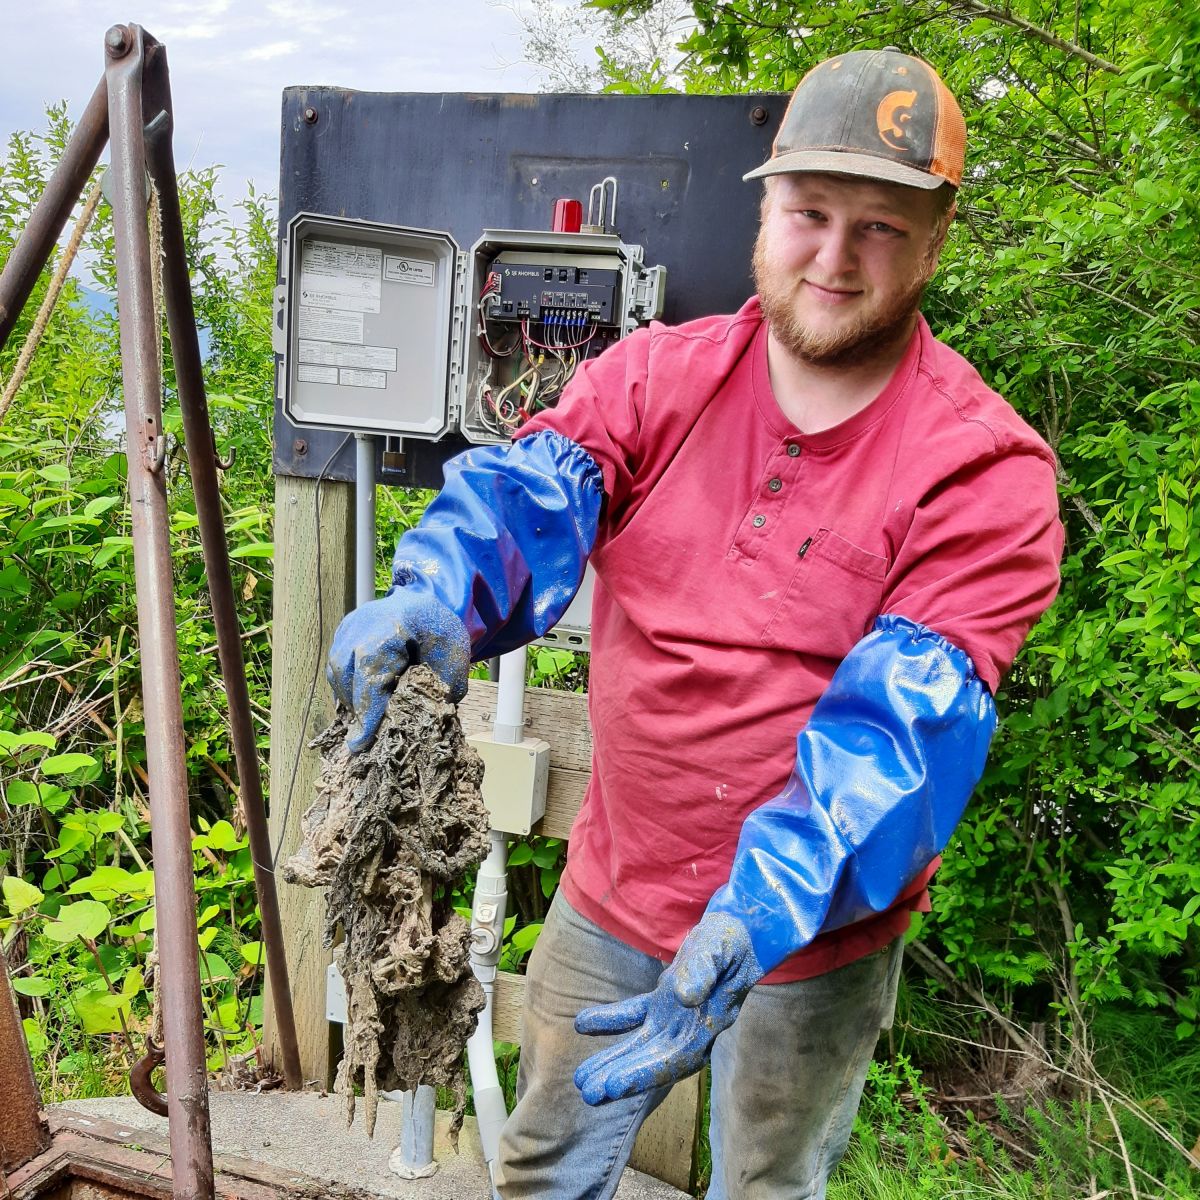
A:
738	560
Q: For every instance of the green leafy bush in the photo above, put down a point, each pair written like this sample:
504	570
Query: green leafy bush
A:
77	918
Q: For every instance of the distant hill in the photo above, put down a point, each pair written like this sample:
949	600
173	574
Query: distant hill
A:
98	302
102	302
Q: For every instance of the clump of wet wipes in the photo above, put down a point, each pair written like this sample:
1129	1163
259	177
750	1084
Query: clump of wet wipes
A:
392	830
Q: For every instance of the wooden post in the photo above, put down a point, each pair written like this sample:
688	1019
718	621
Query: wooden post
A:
301	706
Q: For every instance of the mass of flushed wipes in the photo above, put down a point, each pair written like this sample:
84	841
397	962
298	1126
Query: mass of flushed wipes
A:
391	832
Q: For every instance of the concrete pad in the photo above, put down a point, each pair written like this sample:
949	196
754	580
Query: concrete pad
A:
306	1132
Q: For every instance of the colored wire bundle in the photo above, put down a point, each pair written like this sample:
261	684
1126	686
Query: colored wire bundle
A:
547	361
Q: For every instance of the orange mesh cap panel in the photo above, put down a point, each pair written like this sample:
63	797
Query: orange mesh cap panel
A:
950	136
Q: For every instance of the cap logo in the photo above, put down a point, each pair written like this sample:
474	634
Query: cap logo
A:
894	111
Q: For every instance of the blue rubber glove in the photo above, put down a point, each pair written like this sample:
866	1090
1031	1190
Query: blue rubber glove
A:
493	564
697	996
377	642
884	769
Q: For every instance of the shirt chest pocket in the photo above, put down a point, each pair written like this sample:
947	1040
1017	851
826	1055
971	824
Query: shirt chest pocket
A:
831	600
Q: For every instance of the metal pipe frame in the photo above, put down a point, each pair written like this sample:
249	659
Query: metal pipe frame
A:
23	1134
175	894
202	461
50	214
133	104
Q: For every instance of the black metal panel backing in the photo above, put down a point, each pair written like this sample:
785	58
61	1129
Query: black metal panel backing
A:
465	162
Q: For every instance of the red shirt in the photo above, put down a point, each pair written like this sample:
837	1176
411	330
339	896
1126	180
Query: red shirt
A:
738	560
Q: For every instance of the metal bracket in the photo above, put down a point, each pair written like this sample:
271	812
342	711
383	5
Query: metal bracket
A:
649	293
156	456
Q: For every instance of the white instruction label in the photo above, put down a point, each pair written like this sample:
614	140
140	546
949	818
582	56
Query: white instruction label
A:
397	269
330	325
337	354
306	373
371	379
333	275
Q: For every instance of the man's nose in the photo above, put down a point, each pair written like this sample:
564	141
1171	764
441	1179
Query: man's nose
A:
837	255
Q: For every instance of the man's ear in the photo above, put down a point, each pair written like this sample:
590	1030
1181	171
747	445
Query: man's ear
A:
945	223
764	203
941	230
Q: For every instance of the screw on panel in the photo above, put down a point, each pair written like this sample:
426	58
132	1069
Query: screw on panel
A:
758	115
300	446
310	116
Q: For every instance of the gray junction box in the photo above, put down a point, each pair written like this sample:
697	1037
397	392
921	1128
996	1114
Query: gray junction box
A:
384	329
464	178
367	326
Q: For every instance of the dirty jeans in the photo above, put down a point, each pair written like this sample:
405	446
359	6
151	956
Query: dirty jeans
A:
786	1076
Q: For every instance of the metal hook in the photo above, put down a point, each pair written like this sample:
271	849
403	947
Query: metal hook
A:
223	464
158	455
602	215
140	1083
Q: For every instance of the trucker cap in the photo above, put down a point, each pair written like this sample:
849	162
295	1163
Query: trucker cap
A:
876	113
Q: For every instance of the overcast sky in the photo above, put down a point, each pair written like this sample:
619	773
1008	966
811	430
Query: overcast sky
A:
231	59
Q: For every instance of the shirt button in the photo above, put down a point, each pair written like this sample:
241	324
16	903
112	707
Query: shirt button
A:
793	450
775	484
759	522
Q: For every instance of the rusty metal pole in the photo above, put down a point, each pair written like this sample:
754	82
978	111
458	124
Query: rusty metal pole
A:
174	886
198	434
50	214
22	1133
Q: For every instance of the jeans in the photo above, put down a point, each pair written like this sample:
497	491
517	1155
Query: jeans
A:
787	1076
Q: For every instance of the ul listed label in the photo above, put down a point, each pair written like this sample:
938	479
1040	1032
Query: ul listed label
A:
402	269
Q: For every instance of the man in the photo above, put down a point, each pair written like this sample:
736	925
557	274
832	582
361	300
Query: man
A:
819	541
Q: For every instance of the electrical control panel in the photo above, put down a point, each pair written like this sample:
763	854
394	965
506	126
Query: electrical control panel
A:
539	287
397	331
545	302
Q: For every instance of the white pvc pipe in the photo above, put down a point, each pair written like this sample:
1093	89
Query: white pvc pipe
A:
509	727
364	518
488	911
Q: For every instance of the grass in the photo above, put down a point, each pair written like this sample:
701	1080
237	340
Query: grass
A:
911	1140
911	1143
1058	1144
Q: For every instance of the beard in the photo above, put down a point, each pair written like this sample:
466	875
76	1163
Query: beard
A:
870	335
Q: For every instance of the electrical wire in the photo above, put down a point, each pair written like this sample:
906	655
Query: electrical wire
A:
530	340
550	360
491	287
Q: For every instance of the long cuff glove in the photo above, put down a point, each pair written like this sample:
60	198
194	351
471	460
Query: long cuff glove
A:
884	769
493	564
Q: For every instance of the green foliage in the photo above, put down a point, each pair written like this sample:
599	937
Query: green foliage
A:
77	918
606	47
1070	281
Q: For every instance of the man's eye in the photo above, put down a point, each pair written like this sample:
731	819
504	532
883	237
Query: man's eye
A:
884	227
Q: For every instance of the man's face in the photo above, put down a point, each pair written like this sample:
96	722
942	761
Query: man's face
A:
840	264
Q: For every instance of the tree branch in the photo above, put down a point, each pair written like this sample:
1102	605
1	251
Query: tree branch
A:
1163	739
935	966
976	9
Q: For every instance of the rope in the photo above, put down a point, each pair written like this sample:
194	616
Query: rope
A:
156	1013
157	255
52	294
